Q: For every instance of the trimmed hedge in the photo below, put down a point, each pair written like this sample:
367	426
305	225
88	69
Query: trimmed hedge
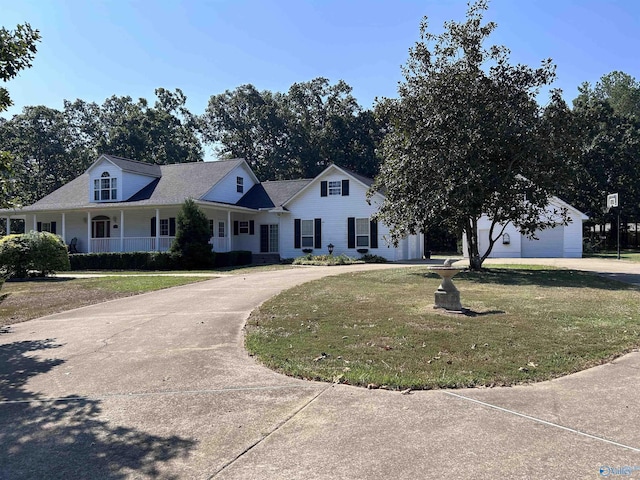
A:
150	260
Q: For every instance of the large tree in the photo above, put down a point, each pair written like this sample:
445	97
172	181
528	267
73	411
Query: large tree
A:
163	133
293	134
468	138
46	151
17	51
607	136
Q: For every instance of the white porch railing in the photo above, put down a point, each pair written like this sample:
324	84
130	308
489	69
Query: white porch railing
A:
130	244
145	244
219	244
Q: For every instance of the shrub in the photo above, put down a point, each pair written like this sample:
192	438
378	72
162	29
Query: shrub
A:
192	237
40	252
371	258
325	260
48	253
14	256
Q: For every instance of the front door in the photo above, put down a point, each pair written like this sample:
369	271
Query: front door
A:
269	238
101	227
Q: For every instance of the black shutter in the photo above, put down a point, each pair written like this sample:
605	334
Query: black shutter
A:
252	227
264	238
317	232
351	232
153	226
297	232
345	188
38	226
373	233
172	226
323	189
53	227
236	227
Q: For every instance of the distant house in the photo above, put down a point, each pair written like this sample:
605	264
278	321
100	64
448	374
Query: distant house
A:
122	205
558	242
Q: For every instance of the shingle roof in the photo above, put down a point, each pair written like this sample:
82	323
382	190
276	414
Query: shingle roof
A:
177	182
134	166
282	190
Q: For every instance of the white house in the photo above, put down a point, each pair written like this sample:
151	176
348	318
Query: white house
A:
558	242
122	205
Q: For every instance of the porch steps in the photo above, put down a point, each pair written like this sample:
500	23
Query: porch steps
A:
265	258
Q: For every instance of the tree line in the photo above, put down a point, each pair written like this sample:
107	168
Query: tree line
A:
465	135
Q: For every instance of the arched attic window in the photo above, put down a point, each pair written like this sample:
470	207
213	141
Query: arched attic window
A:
105	188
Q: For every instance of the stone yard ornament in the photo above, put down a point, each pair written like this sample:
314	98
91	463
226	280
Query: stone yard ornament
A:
447	296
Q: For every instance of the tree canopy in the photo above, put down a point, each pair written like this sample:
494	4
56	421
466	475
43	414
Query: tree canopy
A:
17	51
606	133
293	134
51	147
467	138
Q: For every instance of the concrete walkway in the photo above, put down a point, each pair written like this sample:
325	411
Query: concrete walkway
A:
159	386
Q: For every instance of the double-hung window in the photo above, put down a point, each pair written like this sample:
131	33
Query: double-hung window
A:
239	184
362	232
306	230
335	188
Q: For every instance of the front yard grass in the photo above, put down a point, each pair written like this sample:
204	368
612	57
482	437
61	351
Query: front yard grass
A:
25	300
629	255
379	328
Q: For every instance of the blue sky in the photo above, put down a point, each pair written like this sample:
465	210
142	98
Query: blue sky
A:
92	49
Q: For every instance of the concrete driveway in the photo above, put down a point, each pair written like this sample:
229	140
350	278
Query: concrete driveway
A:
159	386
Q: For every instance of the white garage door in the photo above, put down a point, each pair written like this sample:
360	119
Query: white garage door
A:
549	245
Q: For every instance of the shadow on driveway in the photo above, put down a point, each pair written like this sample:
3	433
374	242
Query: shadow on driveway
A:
67	437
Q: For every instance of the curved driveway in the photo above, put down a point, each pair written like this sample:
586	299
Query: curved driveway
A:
158	386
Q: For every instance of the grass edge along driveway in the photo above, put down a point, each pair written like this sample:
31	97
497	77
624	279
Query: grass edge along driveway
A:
379	328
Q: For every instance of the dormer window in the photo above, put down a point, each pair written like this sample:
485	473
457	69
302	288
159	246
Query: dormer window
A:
105	188
335	188
239	184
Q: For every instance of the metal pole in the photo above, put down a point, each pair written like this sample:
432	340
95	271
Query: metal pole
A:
618	233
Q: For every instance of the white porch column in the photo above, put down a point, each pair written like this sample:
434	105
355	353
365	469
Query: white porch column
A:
88	232
157	229
8	230
279	235
64	228
35	223
122	230
229	230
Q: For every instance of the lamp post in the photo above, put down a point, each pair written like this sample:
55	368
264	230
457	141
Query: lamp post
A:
330	247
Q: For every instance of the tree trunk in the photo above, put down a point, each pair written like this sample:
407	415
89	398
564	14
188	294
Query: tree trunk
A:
475	261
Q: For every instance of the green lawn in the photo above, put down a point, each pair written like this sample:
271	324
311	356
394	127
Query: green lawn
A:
525	324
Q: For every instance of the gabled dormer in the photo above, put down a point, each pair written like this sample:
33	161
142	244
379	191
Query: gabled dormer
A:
115	179
233	185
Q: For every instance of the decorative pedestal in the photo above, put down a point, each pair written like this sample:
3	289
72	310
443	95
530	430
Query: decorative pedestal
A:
447	296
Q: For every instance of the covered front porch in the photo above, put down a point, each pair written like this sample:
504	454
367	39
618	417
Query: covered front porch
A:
103	230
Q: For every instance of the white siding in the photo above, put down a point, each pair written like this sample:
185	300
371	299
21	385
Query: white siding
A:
334	210
96	173
226	189
132	183
573	237
562	241
128	184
